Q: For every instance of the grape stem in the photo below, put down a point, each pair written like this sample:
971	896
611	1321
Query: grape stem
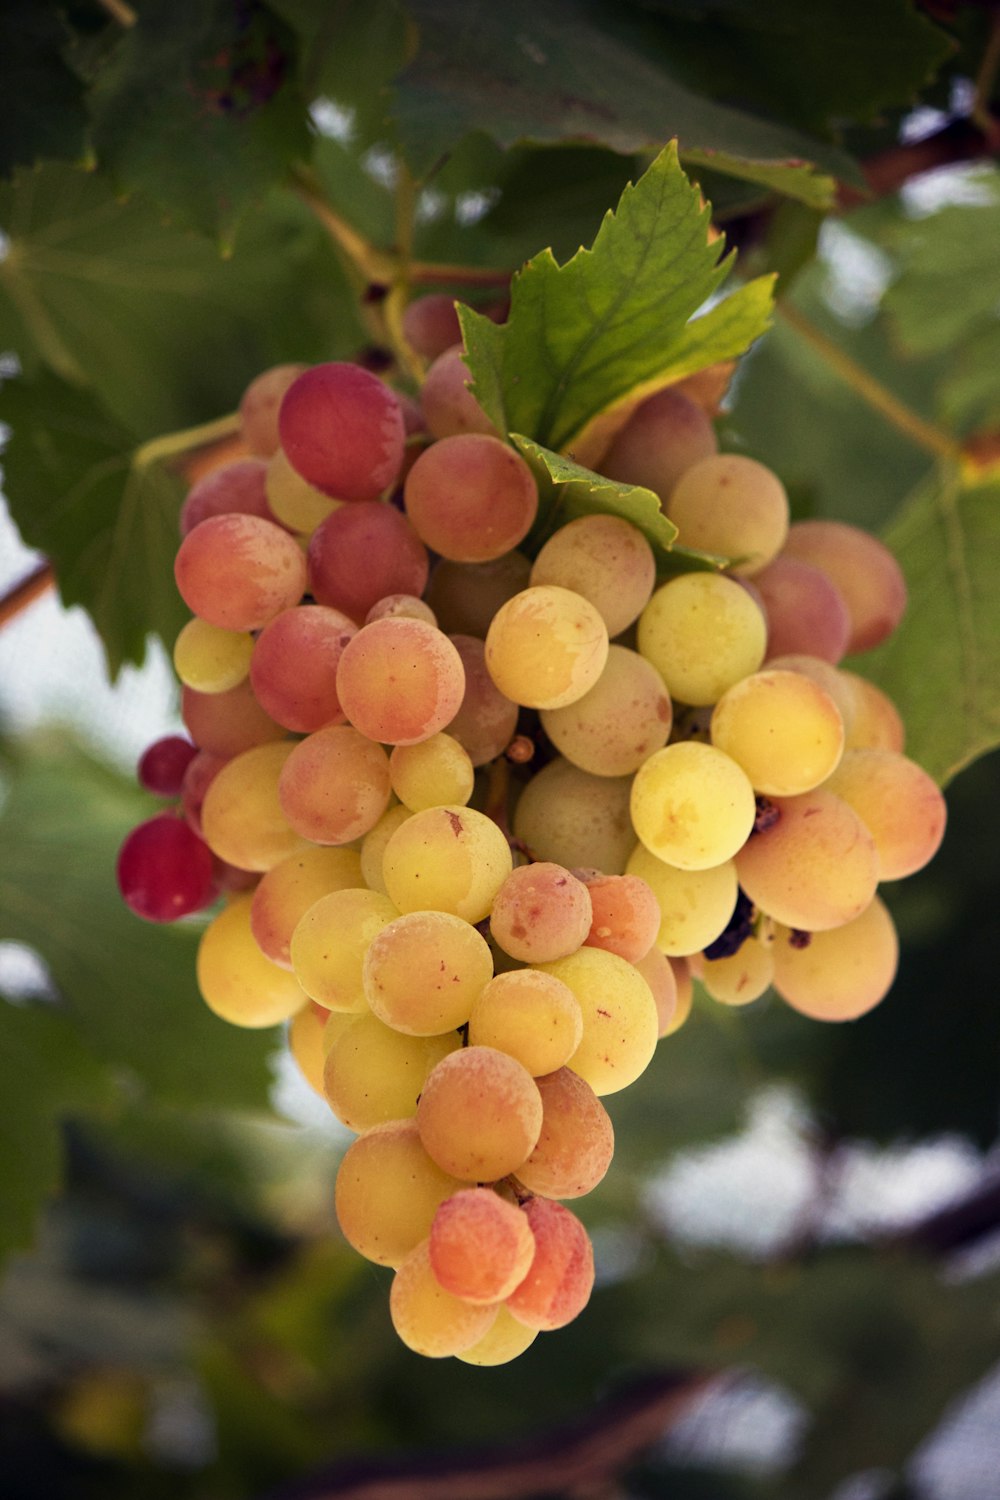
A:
26	591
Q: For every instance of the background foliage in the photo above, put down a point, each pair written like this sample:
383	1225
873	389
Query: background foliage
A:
191	193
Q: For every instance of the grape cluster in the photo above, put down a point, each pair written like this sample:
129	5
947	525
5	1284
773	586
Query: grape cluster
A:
476	818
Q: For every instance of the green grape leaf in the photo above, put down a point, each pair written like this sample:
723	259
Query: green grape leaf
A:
42	110
567	490
166	331
942	665
82	493
589	72
199	107
584	337
349	52
49	1074
127	985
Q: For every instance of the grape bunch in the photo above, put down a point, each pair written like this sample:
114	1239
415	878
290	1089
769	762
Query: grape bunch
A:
471	820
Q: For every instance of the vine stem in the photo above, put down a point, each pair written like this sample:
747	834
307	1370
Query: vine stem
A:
174	444
26	591
878	396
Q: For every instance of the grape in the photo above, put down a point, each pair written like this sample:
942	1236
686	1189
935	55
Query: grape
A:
557	1288
899	804
233	488
259	406
466	596
197	779
604	558
832	680
740	977
785	732
238	572
663	437
374	1073
388	1191
430	324
533	1017
875	722
449	407
481	1246
435	772
619	1018
815	867
471	498
450	859
626	915
242	819
841	974
211	660
305	1042
568	816
329	944
406	605
335	785
541	912
863	569
163	763
546	647
707	388
361	553
487	721
293	501
164	870
290	888
227	723
618	724
733	506
504	1341
577	1142
235	979
373	846
702	632
657	971
423	972
805	611
695	905
480	1114
428	1319
294	666
342	430
400	681
692	805
685	994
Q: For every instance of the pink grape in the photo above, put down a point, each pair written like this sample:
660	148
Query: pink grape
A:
626	915
227	723
335	785
238	487
400	681
863	569
577	1140
163	764
164	870
238	572
481	1246
430	324
259	406
487	721
342	430
541	912
559	1283
197	779
293	669
471	498
363	552
806	613
662	438
448	405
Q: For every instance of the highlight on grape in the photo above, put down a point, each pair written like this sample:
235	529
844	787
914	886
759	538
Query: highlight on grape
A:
470	810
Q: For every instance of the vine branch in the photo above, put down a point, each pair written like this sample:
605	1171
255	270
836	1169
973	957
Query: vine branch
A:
26	591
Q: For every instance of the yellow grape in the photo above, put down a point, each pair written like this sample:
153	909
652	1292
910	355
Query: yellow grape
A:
692	805
900	805
373	1073
292	499
329	944
434	773
288	890
546	647
235	979
211	660
450	859
242	820
702	632
480	1114
423	972
604	558
733	506
615	726
305	1042
500	1344
532	1016
841	974
784	730
815	867
695	905
388	1191
619	1017
373	845
741	977
428	1319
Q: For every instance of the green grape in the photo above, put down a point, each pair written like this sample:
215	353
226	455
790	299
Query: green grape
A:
329	944
211	660
900	805
423	972
242	820
784	730
815	867
374	1073
605	559
235	979
702	633
434	773
619	1017
546	647
293	500
428	1319
573	818
577	1141
388	1191
840	974
481	1246
618	724
450	859
695	905
692	805
533	1017
288	890
480	1114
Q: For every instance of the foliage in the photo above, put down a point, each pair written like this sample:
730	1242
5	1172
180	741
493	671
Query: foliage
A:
192	193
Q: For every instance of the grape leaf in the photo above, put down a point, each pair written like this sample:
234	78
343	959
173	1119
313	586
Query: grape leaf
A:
128	986
42	110
82	493
942	666
199	107
584	71
49	1073
583	337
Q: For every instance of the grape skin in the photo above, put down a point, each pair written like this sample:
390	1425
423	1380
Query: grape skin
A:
342	430
400	681
237	571
481	1247
480	1114
692	805
235	979
429	1320
546	647
388	1191
576	1143
841	974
